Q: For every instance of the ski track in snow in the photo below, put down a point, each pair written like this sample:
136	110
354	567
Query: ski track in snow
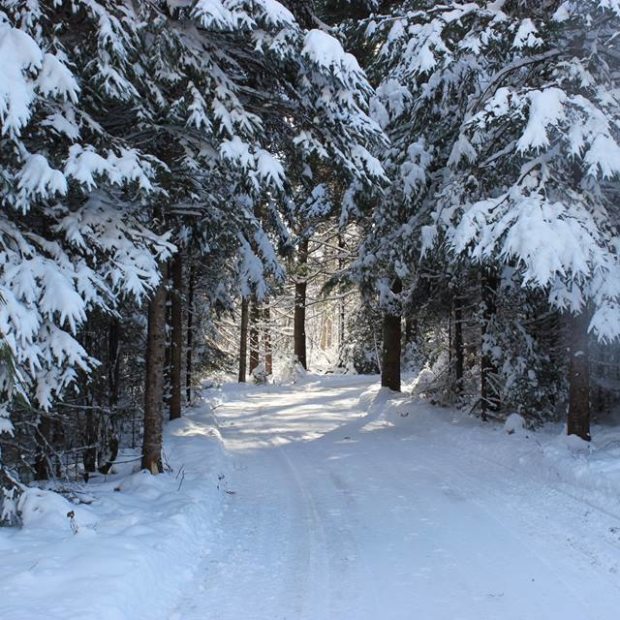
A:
337	515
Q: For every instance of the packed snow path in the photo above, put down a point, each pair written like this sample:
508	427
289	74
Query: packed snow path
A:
339	515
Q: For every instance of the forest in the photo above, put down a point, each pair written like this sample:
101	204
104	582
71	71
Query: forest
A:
309	309
204	192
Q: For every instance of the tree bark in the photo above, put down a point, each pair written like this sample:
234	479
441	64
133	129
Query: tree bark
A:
267	340
578	422
176	337
108	452
167	331
114	362
459	355
254	342
189	351
341	302
89	456
42	461
154	381
301	286
243	341
489	397
390	367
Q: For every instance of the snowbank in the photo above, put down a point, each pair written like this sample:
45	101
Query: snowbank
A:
128	553
566	462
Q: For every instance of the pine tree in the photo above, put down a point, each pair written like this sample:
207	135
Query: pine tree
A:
504	148
129	126
74	237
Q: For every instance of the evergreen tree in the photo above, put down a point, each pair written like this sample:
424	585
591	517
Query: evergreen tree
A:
504	148
128	126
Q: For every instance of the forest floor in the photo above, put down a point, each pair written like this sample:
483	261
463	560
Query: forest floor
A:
333	500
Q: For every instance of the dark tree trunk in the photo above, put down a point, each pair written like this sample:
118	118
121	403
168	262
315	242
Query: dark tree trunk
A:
243	341
459	354
176	336
154	381
114	362
341	303
43	433
92	397
109	450
578	422
167	332
190	332
390	367
267	340
489	397
254	343
301	286
89	457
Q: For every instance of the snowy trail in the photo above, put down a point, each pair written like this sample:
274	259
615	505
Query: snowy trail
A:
338	516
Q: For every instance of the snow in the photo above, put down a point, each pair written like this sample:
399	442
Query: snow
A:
562	13
270	169
547	240
237	150
276	14
38	178
19	52
365	161
343	501
45	510
526	35
85	165
5	423
326	51
135	544
577	445
56	80
514	423
546	110
20	56
603	155
63	124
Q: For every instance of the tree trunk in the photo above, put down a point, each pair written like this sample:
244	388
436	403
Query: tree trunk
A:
341	302
390	367
176	337
243	341
154	381
254	343
190	332
114	362
459	354
489	397
108	451
301	285
167	331
43	433
89	456
267	340
578	376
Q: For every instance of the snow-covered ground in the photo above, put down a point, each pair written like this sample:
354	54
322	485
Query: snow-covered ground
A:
136	545
336	503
